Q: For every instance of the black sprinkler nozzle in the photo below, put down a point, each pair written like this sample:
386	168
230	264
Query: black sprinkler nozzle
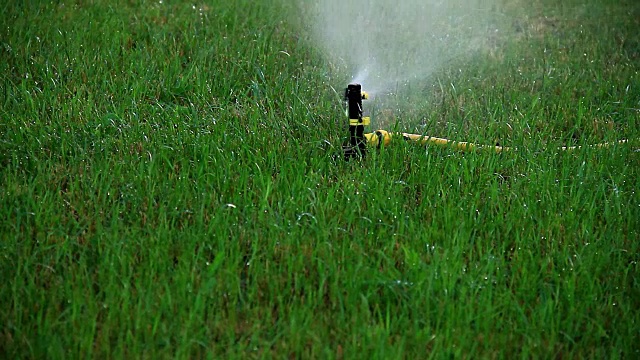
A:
353	97
356	146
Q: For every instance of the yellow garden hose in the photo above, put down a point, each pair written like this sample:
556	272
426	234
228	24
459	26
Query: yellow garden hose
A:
383	138
356	145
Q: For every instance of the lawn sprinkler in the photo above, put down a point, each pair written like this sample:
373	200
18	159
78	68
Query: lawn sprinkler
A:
356	146
358	141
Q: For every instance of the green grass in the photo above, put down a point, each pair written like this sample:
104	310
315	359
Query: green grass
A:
167	190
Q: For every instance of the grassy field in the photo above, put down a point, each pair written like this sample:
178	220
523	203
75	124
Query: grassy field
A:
170	188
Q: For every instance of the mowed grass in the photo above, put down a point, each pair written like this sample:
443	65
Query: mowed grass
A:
171	187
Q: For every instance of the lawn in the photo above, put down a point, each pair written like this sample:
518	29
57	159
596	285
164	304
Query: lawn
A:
172	186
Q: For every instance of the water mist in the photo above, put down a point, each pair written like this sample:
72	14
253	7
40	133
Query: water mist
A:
387	45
